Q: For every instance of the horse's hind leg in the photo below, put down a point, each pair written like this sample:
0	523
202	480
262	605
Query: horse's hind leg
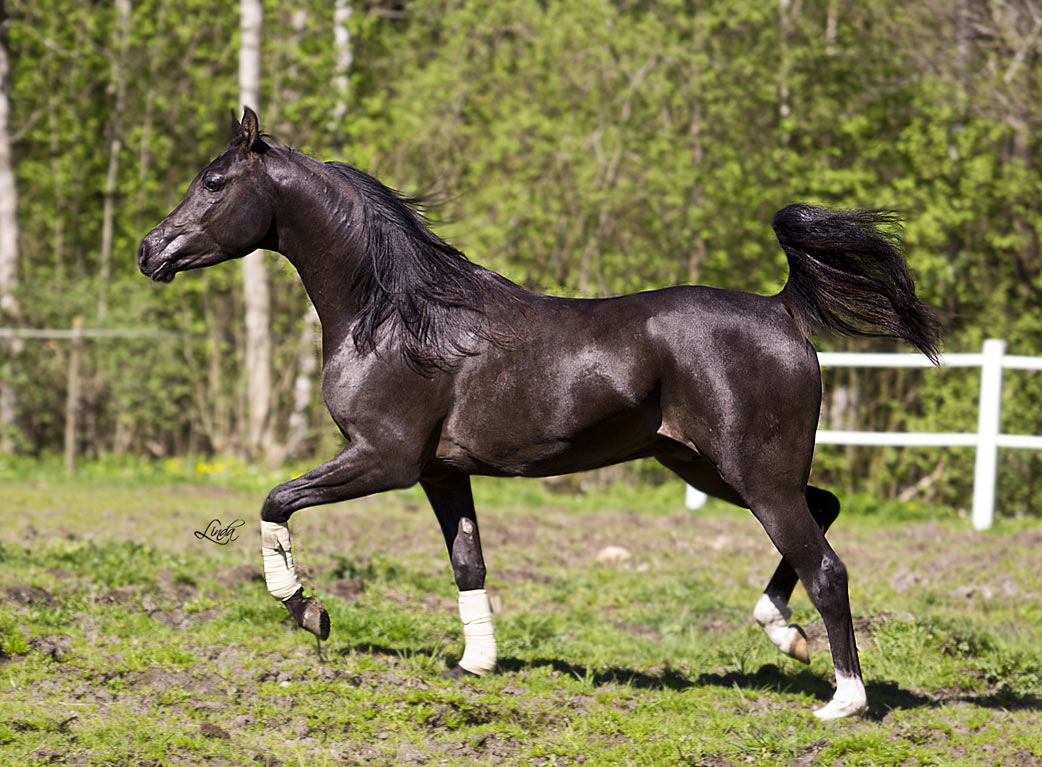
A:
772	611
799	539
453	504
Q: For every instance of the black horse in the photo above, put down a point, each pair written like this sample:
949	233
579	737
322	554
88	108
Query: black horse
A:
436	369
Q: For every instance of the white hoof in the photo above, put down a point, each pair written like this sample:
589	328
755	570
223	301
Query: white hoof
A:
837	709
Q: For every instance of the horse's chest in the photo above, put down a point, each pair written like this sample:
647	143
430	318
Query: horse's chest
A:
375	393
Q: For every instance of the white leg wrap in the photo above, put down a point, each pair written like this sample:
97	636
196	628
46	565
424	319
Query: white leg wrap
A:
849	699
773	615
479	653
276	549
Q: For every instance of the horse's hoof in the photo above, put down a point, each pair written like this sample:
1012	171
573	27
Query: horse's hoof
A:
316	619
798	649
309	614
457	672
839	709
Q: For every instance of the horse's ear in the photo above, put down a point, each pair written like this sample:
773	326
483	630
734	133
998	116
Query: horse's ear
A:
250	128
235	128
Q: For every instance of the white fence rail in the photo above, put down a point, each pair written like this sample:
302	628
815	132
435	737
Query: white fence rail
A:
987	439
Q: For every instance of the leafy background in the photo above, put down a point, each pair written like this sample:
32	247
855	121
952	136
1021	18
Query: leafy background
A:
585	148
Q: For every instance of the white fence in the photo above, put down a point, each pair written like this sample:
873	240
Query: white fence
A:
987	439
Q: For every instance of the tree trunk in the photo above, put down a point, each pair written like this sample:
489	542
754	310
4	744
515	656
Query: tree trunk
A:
307	367
344	59
256	292
789	11
119	81
303	385
72	394
8	244
831	26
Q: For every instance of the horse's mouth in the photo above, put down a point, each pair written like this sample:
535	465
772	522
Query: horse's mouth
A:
163	273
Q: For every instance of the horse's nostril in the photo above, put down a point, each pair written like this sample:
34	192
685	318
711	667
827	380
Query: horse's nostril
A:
142	255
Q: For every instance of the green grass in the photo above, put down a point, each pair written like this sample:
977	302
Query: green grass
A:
125	640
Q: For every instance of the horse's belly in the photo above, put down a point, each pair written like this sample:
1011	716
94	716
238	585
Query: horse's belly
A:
583	392
518	441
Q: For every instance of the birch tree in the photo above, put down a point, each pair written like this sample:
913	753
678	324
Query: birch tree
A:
310	335
8	240
8	190
256	293
119	82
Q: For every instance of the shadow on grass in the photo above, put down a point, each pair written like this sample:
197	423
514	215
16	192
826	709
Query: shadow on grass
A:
883	696
667	679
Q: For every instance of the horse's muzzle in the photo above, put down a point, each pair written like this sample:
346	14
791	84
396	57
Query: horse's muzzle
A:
146	262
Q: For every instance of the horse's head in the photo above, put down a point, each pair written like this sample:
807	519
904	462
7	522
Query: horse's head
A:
226	213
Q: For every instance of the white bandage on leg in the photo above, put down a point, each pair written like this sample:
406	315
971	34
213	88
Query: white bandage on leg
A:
276	549
479	653
773	614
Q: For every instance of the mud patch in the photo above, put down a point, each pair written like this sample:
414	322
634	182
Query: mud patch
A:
120	596
347	589
25	595
175	590
496	746
54	646
208	730
864	628
158	679
180	620
410	754
240	576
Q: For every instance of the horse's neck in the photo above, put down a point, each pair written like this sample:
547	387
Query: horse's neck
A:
317	239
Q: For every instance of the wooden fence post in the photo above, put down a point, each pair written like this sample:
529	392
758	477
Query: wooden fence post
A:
72	394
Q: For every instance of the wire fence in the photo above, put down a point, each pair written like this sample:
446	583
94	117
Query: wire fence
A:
76	335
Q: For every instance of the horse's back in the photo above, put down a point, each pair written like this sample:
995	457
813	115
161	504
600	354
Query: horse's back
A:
682	328
590	382
694	325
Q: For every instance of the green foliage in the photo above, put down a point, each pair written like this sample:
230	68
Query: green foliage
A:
586	148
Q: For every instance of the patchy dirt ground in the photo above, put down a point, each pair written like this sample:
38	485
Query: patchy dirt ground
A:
625	638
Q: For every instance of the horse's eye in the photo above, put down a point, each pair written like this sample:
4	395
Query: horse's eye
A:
214	183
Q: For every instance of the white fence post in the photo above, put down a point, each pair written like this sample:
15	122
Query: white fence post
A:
989	419
694	499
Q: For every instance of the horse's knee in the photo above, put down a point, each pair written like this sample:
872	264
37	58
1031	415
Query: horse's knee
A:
468	566
277	506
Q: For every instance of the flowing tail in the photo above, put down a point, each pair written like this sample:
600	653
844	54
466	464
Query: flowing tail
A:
847	276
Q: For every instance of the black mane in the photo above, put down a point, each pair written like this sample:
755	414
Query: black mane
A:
415	283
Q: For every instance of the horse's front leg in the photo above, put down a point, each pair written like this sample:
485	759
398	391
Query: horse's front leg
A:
357	471
453	504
